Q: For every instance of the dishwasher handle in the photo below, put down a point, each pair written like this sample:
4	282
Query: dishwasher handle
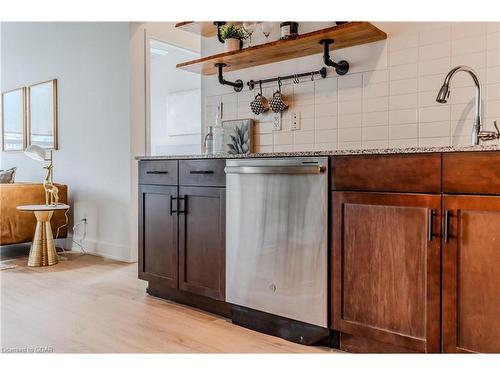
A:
291	169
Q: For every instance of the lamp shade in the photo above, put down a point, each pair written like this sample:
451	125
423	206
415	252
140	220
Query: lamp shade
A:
35	152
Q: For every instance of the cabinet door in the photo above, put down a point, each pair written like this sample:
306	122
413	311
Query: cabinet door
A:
386	268
202	241
158	260
471	276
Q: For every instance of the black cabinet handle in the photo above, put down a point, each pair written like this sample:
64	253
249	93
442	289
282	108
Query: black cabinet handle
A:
172	198
430	222
184	208
156	172
447	215
201	172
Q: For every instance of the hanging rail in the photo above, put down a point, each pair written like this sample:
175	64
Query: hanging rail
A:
322	72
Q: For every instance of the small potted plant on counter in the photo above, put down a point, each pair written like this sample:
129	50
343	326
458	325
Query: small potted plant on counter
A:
232	36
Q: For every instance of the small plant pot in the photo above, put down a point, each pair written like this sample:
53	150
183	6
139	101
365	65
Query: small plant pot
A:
232	44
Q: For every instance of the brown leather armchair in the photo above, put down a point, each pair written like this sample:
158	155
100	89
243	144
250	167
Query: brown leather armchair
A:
19	227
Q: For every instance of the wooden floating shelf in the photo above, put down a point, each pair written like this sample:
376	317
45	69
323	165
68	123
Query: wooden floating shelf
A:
207	29
346	35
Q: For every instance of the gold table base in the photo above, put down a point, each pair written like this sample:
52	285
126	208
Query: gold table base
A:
43	250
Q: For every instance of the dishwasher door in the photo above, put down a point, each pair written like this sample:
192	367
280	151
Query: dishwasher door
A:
276	237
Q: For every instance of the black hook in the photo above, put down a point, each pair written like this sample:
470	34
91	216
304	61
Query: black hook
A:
279	85
237	85
219	24
342	67
260	88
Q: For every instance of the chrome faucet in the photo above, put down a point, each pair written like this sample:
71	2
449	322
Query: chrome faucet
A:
444	94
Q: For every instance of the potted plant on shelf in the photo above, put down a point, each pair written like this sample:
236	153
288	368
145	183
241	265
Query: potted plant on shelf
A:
232	36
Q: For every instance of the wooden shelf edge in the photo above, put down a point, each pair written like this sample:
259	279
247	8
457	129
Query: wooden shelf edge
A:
206	28
279	50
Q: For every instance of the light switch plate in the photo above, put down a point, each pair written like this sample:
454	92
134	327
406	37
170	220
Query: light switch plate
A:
277	121
295	118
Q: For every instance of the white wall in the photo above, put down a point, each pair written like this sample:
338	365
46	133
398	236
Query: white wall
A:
388	97
90	61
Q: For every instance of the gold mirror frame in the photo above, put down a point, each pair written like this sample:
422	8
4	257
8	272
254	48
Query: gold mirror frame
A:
55	113
25	135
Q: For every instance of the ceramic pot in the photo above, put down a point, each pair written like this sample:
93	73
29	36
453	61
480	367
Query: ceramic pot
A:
232	44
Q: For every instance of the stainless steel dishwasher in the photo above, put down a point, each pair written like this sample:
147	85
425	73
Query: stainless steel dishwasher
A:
276	237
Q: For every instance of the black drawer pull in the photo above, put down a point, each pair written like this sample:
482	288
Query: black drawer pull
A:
201	172
447	216
156	172
430	222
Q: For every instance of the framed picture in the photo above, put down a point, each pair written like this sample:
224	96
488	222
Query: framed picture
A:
14	120
238	136
42	114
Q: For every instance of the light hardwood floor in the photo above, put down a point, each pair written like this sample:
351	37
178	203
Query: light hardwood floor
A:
92	305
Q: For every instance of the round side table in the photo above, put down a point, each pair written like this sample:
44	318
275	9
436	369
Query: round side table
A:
42	251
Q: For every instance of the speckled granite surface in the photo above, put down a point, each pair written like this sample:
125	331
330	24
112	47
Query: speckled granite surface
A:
381	151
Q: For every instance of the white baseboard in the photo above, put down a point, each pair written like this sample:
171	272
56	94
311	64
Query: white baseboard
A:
104	249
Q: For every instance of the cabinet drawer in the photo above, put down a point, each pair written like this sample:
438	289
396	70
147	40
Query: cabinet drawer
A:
471	172
158	172
392	173
202	172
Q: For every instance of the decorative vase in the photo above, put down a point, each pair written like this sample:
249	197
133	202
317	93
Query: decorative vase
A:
232	44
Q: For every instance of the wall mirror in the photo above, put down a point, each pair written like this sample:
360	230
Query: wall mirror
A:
42	112
14	120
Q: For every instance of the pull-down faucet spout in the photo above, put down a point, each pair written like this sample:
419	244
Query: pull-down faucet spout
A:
444	94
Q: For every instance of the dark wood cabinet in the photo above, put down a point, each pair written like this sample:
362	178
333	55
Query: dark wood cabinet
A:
158	255
386	270
202	238
471	276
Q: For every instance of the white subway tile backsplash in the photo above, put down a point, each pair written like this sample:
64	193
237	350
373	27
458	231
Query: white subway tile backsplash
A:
375	133
493	58
404	86
374	90
404	71
375	144
474	60
493	92
375	76
349	87
348	145
327	109
461	30
403	41
301	137
433	35
434	51
391	104
406	56
436	66
437	141
350	121
325	123
403	131
437	113
326	136
353	106
403	116
403	101
282	138
349	135
325	146
375	118
468	45
376	104
434	129
493	41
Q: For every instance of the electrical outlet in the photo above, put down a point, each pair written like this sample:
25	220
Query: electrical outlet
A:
277	121
295	125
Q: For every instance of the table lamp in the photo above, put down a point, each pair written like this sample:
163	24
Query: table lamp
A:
38	153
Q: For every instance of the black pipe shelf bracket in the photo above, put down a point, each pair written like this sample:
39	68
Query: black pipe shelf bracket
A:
322	72
237	85
219	24
342	67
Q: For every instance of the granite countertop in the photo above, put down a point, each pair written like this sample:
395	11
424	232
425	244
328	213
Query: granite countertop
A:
381	151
